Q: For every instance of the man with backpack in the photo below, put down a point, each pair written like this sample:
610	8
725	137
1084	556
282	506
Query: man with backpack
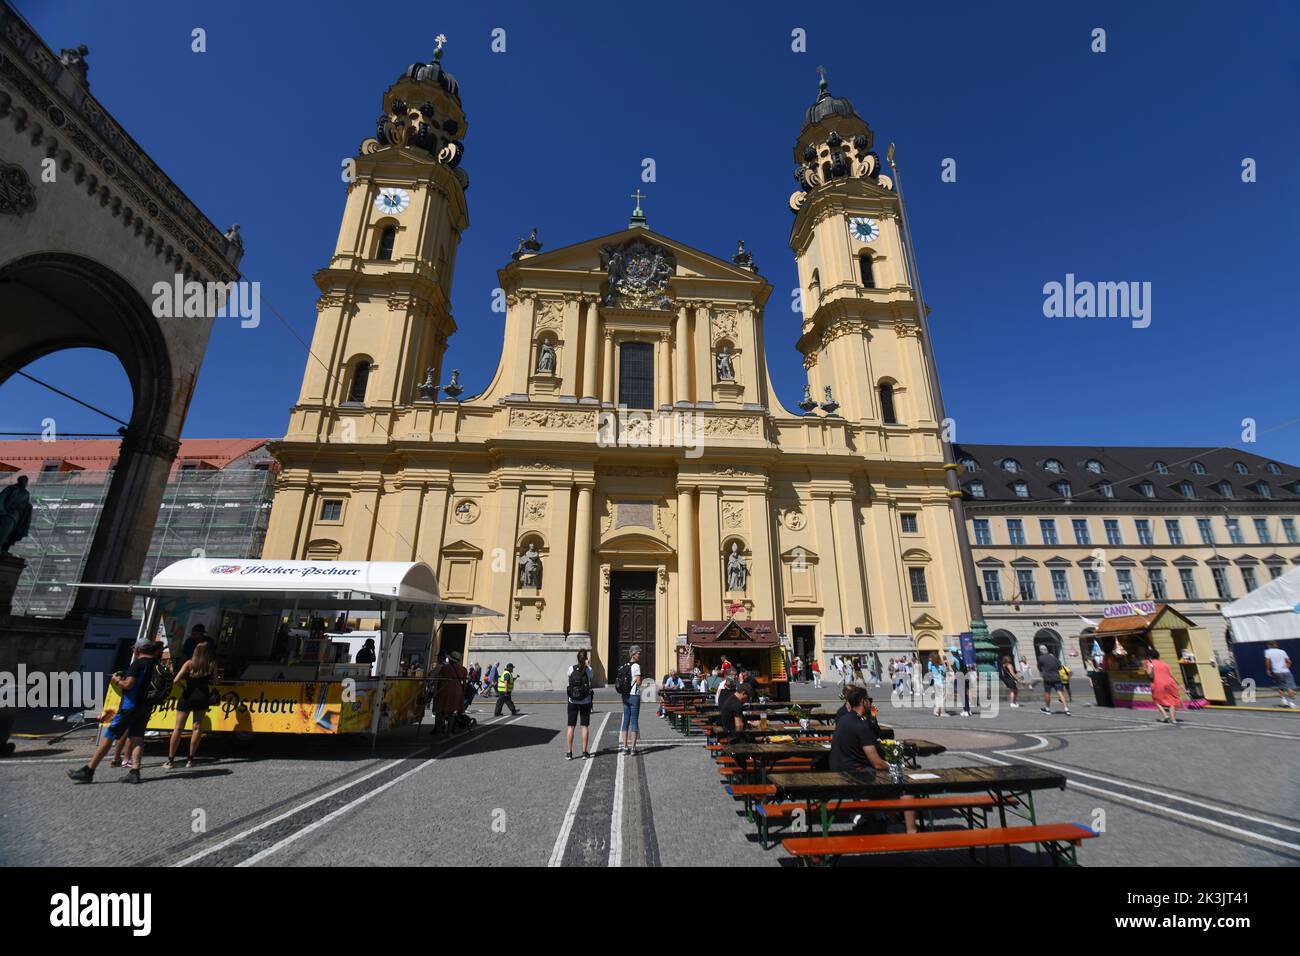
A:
144	686
505	691
628	685
580	700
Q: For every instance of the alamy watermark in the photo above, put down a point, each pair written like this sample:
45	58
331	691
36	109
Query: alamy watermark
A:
1083	299
57	690
631	428
212	300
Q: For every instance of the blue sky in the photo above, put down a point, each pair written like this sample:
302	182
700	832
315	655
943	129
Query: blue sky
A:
1121	166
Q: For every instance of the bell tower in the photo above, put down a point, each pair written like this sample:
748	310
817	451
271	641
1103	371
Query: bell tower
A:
860	334
385	304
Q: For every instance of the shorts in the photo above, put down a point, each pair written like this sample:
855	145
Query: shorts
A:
1284	681
1051	685
579	713
631	713
193	704
128	723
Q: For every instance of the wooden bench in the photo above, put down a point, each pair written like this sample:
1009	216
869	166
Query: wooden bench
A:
1059	839
769	813
749	792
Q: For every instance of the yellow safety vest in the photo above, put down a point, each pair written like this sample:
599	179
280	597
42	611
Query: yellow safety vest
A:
505	683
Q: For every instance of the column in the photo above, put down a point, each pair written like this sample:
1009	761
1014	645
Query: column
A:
580	616
568	368
703	355
522	344
849	558
590	387
711	593
504	534
404	538
829	585
362	512
663	380
682	358
607	395
687	560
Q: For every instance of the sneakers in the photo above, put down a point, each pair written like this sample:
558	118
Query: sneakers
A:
1044	710
132	776
1067	712
568	756
82	775
585	755
170	764
1015	706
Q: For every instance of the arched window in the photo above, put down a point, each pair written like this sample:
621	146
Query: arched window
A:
887	413
1240	468
1010	464
1273	468
360	377
1053	466
970	464
1161	468
976	489
868	276
386	239
1093	465
1197	468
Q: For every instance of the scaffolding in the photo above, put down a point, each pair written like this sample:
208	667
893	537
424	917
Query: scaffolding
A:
206	512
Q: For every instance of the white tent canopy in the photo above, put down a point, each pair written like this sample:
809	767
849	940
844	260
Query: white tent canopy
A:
404	581
1268	613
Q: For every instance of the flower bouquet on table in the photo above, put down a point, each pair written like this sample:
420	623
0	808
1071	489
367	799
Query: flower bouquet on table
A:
800	715
892	751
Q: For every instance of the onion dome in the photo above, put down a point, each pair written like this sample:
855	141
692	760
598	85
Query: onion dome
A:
432	72
422	110
827	106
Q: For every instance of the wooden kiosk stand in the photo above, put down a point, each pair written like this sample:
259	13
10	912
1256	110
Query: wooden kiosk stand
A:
1125	637
752	645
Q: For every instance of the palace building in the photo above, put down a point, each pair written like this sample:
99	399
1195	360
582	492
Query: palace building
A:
629	470
1058	533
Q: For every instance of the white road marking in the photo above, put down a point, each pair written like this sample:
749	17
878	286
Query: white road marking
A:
616	817
1158	808
302	806
562	841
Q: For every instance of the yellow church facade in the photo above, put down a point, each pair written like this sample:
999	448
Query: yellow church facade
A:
629	469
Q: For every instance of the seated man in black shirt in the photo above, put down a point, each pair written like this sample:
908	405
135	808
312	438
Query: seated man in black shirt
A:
853	748
732	718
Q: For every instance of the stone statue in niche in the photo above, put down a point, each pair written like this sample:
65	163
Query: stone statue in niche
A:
530	568
726	370
15	514
737	572
546	358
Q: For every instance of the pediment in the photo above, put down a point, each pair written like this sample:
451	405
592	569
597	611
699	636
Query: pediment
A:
462	549
584	257
927	621
798	554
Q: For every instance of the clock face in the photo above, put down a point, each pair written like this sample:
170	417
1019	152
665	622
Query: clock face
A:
392	200
863	229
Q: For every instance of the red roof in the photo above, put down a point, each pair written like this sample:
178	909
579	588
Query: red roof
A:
99	454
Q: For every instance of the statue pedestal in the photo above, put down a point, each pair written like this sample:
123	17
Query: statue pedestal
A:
11	567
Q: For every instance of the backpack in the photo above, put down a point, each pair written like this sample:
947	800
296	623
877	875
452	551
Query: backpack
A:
579	683
623	680
159	687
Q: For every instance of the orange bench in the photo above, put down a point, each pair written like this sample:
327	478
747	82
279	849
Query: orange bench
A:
968	803
1059	839
749	792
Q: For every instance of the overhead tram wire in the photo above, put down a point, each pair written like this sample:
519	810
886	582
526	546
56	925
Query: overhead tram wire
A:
59	391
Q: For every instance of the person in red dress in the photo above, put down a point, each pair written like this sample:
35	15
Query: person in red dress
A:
1164	689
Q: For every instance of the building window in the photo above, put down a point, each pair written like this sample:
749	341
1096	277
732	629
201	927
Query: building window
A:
1289	531
1081	533
1025	585
1047	526
1234	531
360	378
1248	576
1060	585
1261	529
1206	529
1221	584
1263	490
1161	468
982	533
1093	465
1107	489
969	464
1021	489
1053	466
1240	468
1092	581
1011	465
386	239
1064	489
1197	468
920	594
1156	578
1146	489
887	414
868	274
1126	590
908	521
1274	572
1113	535
1273	468
1188	581
1015	531
331	509
636	375
992	586
1186	490
1144	532
1224	489
1174	530
976	489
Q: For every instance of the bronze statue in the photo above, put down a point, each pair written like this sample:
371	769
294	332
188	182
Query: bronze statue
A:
15	514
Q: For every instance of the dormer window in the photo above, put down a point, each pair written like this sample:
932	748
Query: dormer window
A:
1161	468
1011	465
1146	489
970	464
1186	490
1021	489
1064	489
1093	465
1263	490
1240	468
976	489
1107	489
1224	489
1053	466
1273	468
1197	468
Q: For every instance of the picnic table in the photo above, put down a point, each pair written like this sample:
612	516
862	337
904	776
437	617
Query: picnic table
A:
764	755
1011	786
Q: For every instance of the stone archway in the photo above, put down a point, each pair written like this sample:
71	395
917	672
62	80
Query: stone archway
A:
56	301
1046	637
1006	645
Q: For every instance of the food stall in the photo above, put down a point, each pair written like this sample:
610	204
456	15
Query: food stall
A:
277	677
1270	613
1117	651
751	645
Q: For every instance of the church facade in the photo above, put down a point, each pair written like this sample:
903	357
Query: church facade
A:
629	469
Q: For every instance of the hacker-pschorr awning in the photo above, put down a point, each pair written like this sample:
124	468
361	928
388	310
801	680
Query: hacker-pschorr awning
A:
731	634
